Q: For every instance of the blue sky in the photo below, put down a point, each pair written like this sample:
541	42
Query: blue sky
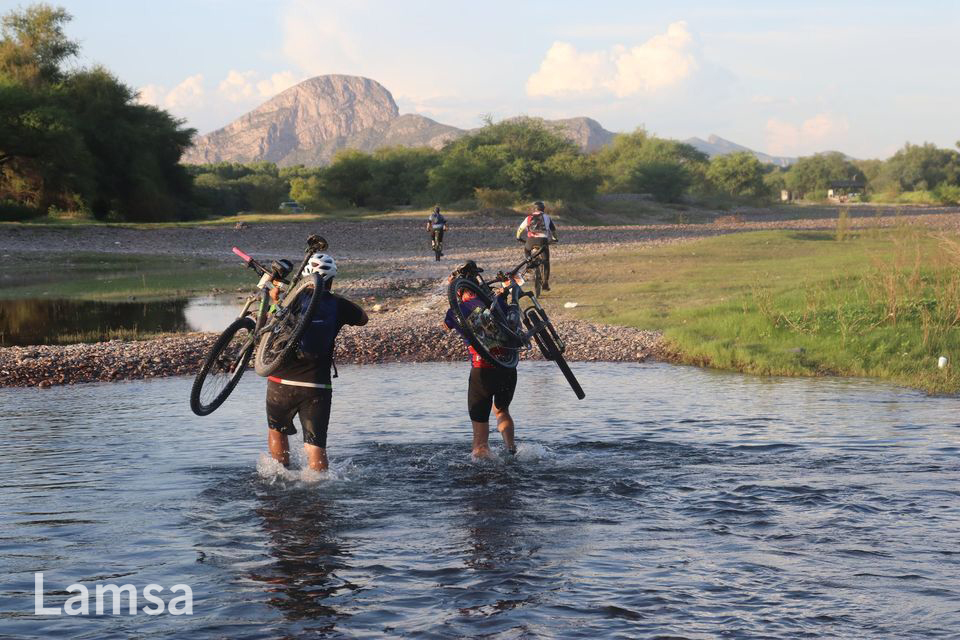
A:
785	78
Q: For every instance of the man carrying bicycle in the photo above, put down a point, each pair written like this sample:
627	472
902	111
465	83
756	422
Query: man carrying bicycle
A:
436	225
540	232
302	386
489	386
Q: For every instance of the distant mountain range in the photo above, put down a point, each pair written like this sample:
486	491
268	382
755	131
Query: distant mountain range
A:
309	122
717	146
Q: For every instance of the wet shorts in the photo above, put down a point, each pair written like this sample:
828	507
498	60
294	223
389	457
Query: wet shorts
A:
488	387
313	406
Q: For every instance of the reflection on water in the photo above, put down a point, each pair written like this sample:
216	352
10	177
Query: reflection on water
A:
27	322
673	502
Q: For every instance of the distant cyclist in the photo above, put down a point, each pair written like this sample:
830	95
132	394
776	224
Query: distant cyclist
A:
436	225
540	232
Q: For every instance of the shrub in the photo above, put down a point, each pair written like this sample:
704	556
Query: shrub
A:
495	198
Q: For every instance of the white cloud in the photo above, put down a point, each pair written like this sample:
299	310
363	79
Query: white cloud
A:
565	70
822	131
246	87
186	95
663	61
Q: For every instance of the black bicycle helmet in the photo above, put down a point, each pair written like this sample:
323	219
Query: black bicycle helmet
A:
538	205
436	209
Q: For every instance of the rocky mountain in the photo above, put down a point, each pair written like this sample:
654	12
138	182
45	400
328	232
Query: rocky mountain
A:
717	146
309	122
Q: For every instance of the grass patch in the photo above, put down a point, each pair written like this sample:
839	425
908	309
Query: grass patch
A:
883	303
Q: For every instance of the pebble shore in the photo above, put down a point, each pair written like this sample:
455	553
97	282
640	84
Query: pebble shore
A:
389	337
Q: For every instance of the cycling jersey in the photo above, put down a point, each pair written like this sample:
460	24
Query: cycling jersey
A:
314	355
468	308
437	221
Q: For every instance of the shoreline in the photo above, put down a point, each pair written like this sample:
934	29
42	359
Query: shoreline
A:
401	338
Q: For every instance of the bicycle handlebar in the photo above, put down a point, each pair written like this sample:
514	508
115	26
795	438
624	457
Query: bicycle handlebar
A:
253	264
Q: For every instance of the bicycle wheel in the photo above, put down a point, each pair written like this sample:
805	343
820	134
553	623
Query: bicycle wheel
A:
538	278
551	346
280	336
437	249
488	331
225	364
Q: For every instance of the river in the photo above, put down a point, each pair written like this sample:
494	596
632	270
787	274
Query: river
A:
672	501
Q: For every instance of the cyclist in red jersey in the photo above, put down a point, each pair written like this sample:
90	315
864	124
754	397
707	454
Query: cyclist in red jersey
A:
489	387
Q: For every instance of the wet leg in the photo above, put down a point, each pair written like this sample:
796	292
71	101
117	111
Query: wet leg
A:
279	447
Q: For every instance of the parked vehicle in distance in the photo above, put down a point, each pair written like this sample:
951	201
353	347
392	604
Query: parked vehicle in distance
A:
291	206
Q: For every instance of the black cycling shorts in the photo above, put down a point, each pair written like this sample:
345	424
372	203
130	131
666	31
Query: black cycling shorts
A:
313	406
489	387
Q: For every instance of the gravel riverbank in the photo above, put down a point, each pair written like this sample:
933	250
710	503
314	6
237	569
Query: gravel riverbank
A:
390	337
413	283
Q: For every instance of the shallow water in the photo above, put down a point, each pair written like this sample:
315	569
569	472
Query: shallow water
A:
33	321
672	501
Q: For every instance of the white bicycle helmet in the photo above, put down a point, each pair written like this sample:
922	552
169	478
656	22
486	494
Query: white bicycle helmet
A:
321	264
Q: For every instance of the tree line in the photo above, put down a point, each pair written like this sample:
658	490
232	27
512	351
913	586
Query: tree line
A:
78	140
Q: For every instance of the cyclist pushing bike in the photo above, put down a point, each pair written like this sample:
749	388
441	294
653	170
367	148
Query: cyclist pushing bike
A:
436	225
540	233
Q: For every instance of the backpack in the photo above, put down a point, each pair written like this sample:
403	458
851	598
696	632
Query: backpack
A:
536	224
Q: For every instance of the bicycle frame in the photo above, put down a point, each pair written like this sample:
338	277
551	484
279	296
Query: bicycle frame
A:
513	294
314	243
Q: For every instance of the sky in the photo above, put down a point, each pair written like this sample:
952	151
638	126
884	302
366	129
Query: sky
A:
784	78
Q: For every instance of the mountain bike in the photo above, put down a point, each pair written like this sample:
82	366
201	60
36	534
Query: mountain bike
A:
436	244
538	266
500	327
272	335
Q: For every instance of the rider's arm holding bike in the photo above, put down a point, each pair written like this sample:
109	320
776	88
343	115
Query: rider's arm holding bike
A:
351	312
553	232
521	229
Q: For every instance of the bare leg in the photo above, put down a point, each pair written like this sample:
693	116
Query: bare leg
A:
316	457
481	431
279	447
505	427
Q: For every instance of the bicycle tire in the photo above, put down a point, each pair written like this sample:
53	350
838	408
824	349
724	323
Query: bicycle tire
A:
281	335
487	339
562	363
210	378
538	278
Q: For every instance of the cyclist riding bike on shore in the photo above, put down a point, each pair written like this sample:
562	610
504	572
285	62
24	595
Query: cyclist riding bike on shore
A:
540	233
436	225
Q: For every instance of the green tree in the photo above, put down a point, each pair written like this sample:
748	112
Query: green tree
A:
815	173
399	175
33	45
920	167
350	177
136	149
520	155
737	174
640	163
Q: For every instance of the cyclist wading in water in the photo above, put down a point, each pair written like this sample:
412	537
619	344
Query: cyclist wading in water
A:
489	387
302	386
540	232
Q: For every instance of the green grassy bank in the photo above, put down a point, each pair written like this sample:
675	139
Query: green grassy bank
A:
882	303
